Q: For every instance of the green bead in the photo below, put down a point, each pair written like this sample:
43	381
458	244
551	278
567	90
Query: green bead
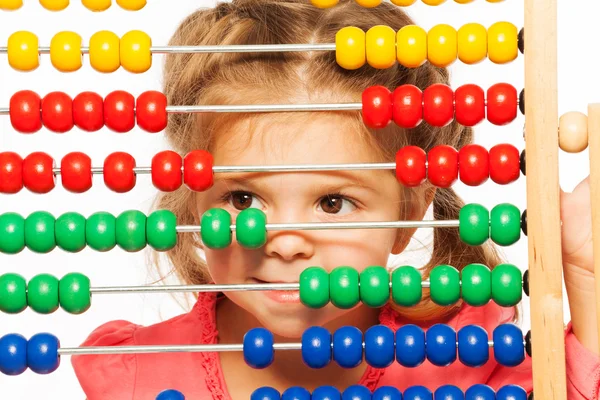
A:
131	230
375	286
250	228
407	289
74	293
39	232
215	228
42	294
344	287
506	285
12	233
70	232
474	224
100	231
13	293
161	229
476	284
314	287
444	284
505	224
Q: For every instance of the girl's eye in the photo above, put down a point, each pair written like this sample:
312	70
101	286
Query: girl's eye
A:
242	200
336	204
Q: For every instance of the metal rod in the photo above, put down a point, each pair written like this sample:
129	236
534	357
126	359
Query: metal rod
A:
250	108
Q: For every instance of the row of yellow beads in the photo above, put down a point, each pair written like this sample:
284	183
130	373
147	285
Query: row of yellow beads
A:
107	51
381	46
401	3
94	5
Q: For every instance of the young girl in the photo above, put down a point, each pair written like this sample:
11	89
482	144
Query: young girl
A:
342	196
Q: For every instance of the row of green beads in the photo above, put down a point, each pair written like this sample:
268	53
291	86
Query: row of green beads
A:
477	224
45	293
250	228
131	230
345	287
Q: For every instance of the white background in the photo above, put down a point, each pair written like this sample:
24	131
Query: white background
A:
578	85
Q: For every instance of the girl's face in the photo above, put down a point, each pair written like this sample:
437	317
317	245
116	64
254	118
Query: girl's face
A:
294	197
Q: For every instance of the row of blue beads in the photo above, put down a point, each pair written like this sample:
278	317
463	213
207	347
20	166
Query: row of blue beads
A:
39	353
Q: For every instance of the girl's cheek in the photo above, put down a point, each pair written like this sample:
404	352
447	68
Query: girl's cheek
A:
219	265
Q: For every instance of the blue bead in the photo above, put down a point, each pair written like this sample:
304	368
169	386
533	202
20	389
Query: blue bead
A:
356	392
326	393
348	346
13	354
170	394
258	348
387	393
511	392
265	393
379	346
448	392
42	353
480	392
418	393
473	348
296	393
316	347
441	345
509	349
410	346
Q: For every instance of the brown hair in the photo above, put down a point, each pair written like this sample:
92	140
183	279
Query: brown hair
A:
233	78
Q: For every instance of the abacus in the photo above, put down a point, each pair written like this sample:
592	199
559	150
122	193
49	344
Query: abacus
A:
380	47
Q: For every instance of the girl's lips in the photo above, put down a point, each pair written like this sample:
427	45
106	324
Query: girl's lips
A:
281	296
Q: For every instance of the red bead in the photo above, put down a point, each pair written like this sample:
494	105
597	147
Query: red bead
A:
198	170
473	164
57	112
88	111
407	106
38	176
502	102
11	172
470	105
25	111
119	111
151	111
438	105
505	164
166	171
411	169
442	166
377	107
118	172
76	172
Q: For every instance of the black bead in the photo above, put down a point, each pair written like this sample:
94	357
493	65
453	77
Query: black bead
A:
524	222
522	162
528	343
530	397
522	40
526	282
522	101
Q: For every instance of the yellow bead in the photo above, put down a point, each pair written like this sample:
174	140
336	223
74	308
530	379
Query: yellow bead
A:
404	3
381	47
463	1
104	51
442	48
472	43
324	3
411	46
494	1
97	5
503	42
23	52
135	52
368	3
131	5
433	2
573	132
350	48
65	51
54	5
10	5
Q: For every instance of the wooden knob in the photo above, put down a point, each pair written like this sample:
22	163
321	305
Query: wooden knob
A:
573	132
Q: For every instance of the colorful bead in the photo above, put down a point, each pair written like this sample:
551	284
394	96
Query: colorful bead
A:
326	393
505	224
377	107
433	2
54	5
11	172
131	230
96	5
507	286
442	166
473	348
411	46
11	5
368	3
442	46
379	346
386	393
258	348
151	111
250	228
476	284
407	106
348	346
118	172
88	111
39	232
42	353
135	53
509	349
444	284
12	233
449	392
161	229
198	170
57	112
104	51
316	347
76	172
501	103
403	3
344	287
25	111
503	42
411	166
74	293
504	164
480	392
23	51
42	294
132	5
295	393
166	171
511	392
357	392
119	111
441	345
350	47
100	231
469	105
374	286
473	165
573	132
13	293
38	175
474	224
323	4
407	289
314	287
65	51
172	394
438	105
472	43
13	354
381	47
215	228
410	346
70	232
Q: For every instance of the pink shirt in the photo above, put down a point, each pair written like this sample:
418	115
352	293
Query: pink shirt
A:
199	375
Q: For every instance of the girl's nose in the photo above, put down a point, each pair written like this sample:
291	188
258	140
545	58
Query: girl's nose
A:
289	245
